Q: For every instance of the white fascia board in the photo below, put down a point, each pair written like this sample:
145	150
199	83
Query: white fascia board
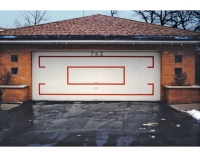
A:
95	42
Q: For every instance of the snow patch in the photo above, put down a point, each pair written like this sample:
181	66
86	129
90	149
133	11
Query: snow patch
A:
150	124
194	113
152	136
152	130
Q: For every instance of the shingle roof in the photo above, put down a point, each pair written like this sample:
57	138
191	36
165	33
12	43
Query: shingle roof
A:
99	25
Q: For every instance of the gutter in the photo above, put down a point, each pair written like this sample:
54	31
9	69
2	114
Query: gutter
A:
98	42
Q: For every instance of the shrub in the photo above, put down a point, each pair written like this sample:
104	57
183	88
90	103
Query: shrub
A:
6	77
180	78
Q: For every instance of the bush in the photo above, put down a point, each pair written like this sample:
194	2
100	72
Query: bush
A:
180	78
6	77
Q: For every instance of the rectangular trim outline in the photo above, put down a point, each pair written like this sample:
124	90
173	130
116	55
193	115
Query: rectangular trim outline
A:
151	66
123	83
87	94
42	66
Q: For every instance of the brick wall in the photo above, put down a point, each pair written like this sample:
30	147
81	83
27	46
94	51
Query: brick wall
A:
24	65
15	94
168	64
182	95
167	59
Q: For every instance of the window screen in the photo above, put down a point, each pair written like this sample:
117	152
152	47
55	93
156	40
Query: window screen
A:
178	71
178	58
14	71
14	58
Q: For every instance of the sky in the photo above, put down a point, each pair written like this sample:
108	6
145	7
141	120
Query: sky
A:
7	17
67	9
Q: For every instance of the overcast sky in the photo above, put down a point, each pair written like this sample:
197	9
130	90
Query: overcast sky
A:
67	9
8	17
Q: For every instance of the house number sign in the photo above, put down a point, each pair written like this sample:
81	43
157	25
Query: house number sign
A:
97	54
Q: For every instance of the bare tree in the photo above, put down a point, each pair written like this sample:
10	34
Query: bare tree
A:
114	12
32	18
147	15
197	15
197	28
183	19
187	20
17	24
161	17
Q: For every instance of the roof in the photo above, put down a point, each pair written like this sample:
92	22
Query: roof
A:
99	25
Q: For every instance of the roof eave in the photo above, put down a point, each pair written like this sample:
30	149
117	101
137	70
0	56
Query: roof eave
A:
99	37
98	42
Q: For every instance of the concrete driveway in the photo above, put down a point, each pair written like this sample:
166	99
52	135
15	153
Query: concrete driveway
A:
97	124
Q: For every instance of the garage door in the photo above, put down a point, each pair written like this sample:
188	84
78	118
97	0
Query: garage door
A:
96	76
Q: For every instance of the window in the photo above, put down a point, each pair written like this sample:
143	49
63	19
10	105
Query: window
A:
14	71
178	71
178	58
14	58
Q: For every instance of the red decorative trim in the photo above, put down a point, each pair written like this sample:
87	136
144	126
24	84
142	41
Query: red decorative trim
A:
39	87
64	94
152	84
152	62
123	83
152	66
39	62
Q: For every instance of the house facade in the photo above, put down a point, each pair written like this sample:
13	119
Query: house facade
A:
96	58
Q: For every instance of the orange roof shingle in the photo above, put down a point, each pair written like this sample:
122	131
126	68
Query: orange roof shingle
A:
99	25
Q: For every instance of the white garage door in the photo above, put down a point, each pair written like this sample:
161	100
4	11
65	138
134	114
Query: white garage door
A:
96	76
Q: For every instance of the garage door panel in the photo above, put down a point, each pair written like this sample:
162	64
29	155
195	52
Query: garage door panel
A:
115	76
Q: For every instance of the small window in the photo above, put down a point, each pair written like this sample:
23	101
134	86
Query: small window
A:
14	58
178	58
178	71
14	71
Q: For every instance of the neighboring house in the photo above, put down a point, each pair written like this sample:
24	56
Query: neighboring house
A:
97	58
